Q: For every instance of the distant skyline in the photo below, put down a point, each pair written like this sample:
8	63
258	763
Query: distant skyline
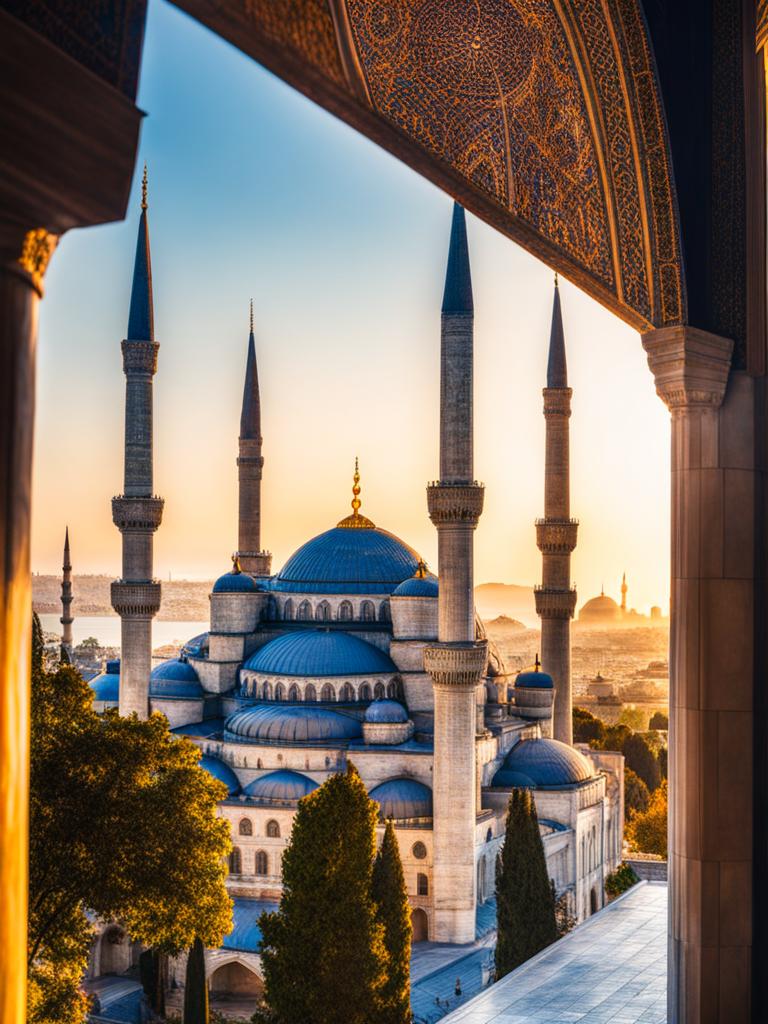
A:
255	192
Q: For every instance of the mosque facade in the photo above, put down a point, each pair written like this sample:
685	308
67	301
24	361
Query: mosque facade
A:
354	651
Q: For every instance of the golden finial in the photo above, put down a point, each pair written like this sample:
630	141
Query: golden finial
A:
236	570
251	316
421	570
144	189
356	521
537	662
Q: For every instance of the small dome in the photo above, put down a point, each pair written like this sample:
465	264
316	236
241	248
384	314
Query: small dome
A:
196	646
386	712
403	798
235	582
290	723
175	678
545	764
221	771
316	652
535	681
417	586
282	785
106	685
600	609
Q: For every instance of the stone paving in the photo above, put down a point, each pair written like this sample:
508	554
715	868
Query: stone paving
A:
611	970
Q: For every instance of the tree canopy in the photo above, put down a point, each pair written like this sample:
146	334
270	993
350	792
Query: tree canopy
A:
392	909
586	727
636	795
647	832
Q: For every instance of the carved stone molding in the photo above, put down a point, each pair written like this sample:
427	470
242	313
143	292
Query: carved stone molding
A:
556	536
690	366
140	356
136	600
455	503
557	401
555	604
456	665
137	513
36	251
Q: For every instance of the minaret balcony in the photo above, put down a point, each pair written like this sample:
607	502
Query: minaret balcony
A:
136	600
137	513
257	563
557	401
556	536
555	604
457	665
455	503
140	356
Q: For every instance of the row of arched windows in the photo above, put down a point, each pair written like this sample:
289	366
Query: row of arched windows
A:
272	830
260	862
305	611
328	693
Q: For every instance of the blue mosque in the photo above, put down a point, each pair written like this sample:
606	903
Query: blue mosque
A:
355	651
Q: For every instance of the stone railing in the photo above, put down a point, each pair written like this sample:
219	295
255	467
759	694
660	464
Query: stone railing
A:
131	513
455	503
456	664
555	604
136	599
140	356
556	536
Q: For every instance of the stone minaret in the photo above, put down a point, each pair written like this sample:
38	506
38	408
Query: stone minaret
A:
66	598
624	594
556	532
457	662
137	512
250	463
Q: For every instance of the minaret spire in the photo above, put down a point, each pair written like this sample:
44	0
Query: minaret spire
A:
457	662
66	600
250	464
137	512
556	532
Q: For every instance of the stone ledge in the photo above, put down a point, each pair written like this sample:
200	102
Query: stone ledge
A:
455	503
130	513
459	665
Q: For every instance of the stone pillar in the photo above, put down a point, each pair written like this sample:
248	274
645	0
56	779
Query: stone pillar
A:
712	672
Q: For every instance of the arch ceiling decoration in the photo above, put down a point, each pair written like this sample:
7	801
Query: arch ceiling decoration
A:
542	116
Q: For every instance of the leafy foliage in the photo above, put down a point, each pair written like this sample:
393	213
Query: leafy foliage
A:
564	919
195	987
123	822
642	760
647	832
659	721
391	897
323	950
525	903
620	880
636	795
633	718
586	727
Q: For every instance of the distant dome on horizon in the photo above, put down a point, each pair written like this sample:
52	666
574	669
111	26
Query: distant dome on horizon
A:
601	610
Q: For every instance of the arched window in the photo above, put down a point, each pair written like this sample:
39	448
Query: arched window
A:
323	613
347	692
273	829
288	610
305	610
367	611
310	693
384	615
327	693
345	611
279	692
235	861
272	610
267	691
422	885
392	690
379	691
293	693
365	692
261	863
419	850
245	828
489	835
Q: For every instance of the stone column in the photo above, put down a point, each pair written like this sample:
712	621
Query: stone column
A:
712	672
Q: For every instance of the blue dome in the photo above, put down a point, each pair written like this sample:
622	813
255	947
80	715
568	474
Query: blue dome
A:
348	561
543	764
282	785
291	723
319	652
417	586
403	798
221	771
535	681
175	678
196	646
386	711
106	685
235	583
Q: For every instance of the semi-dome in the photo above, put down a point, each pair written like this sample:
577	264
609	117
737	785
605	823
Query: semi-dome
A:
364	560
545	764
235	582
175	678
319	652
403	798
417	586
291	723
281	785
221	771
106	685
386	712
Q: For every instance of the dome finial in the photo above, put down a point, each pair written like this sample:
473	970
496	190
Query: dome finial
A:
537	663
356	521
236	570
421	570
144	188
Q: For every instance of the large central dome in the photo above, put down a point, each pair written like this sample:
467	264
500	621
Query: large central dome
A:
348	561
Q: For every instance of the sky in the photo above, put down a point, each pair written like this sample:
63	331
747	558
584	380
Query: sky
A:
254	192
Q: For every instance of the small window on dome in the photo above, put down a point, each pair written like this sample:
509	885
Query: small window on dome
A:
345	611
347	693
305	611
246	827
392	690
422	885
419	851
367	611
293	693
327	693
273	829
267	691
379	692
384	615
323	613
288	610
279	692
310	693
365	692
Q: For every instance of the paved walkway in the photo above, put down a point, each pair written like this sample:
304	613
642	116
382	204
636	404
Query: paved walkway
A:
610	970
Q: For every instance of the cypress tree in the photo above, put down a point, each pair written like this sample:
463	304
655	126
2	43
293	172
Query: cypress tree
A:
38	645
391	898
195	988
524	901
322	951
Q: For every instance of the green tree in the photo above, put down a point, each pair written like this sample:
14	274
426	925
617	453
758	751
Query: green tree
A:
123	822
586	727
524	900
393	911
195	987
620	880
323	950
659	721
636	794
647	832
615	737
642	760
633	718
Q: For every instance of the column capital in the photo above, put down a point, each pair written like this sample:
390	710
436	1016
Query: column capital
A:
690	366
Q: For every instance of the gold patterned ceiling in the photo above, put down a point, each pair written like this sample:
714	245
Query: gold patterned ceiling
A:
541	116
